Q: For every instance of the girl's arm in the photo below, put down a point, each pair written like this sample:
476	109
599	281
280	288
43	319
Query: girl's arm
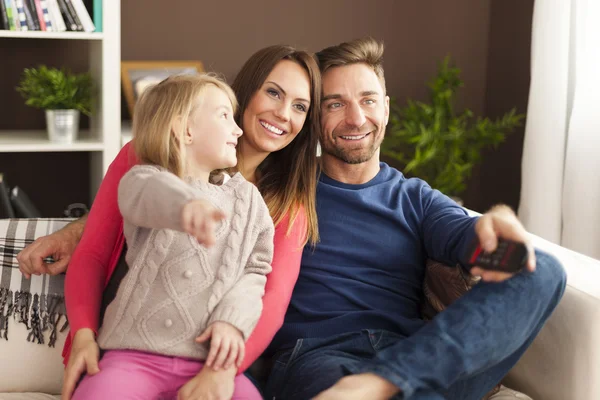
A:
280	284
149	197
98	249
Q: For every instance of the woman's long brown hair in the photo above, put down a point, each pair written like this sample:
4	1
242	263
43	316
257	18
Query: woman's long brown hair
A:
287	178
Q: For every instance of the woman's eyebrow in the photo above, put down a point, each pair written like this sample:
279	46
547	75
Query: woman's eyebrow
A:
284	93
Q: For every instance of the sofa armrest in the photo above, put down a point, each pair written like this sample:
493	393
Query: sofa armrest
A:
564	360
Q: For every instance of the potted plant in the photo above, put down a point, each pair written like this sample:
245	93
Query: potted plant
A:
435	143
62	94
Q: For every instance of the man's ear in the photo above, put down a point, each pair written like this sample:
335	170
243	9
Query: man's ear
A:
387	109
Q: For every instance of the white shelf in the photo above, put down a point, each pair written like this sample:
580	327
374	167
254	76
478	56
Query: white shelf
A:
104	56
51	35
37	141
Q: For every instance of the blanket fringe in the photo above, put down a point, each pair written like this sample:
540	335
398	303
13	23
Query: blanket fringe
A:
43	315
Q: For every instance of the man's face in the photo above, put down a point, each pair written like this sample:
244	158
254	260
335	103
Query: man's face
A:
354	113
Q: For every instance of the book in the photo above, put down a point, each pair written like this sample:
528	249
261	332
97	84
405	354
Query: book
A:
21	17
11	11
97	12
22	204
67	17
56	19
6	210
84	15
39	11
46	15
4	16
31	20
74	15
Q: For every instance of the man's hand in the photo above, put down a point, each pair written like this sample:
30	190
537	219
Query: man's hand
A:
500	221
360	387
226	345
199	218
58	245
209	385
84	358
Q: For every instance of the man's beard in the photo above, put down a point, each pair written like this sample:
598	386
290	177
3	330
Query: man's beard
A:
354	156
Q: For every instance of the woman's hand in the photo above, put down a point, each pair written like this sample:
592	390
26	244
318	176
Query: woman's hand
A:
226	345
199	218
209	385
84	358
58	245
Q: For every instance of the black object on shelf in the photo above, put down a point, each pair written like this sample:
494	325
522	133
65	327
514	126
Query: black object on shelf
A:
76	210
6	209
22	204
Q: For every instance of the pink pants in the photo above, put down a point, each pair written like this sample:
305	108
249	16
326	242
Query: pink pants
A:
133	375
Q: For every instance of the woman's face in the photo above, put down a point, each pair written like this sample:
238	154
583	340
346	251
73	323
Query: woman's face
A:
278	109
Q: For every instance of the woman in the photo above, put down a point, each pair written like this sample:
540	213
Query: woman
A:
278	90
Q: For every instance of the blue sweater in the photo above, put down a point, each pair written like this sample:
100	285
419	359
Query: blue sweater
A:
367	271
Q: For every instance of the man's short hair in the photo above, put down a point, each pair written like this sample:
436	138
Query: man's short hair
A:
365	50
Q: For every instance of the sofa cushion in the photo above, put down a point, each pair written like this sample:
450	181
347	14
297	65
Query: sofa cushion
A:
32	314
28	396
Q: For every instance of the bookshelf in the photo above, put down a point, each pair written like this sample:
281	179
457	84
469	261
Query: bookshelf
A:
103	140
52	35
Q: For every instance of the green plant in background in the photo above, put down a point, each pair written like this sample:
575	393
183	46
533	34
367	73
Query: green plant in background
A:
56	89
437	144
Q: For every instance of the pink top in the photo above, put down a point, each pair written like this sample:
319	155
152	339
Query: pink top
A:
98	252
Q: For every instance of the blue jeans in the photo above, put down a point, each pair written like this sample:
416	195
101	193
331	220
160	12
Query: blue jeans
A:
461	354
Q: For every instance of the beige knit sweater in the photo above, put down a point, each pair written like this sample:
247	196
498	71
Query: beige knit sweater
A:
176	287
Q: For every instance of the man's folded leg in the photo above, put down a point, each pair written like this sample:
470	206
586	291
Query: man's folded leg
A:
316	364
466	349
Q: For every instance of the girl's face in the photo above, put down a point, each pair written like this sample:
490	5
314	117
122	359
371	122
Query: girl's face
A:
212	134
278	109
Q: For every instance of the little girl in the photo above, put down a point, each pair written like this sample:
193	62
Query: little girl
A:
198	252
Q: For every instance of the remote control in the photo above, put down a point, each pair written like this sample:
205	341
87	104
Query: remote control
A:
509	256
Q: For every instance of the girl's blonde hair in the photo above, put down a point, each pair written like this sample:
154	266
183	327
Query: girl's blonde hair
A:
161	116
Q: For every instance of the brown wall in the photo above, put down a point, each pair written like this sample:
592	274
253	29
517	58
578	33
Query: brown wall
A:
498	178
224	34
418	34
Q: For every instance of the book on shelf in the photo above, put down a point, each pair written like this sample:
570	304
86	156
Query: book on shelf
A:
51	15
74	15
4	16
31	24
67	17
97	14
13	16
45	21
6	209
84	16
21	16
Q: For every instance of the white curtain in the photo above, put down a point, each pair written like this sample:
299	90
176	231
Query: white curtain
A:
560	191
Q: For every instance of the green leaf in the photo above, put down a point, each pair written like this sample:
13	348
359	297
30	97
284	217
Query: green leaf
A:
57	89
438	144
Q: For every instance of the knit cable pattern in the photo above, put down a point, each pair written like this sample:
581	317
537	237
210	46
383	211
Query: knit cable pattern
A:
228	266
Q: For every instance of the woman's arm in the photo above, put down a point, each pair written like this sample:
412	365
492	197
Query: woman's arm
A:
100	244
280	284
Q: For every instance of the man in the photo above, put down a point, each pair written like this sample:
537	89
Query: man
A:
353	328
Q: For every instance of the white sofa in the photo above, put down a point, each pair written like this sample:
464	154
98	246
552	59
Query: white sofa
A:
562	364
